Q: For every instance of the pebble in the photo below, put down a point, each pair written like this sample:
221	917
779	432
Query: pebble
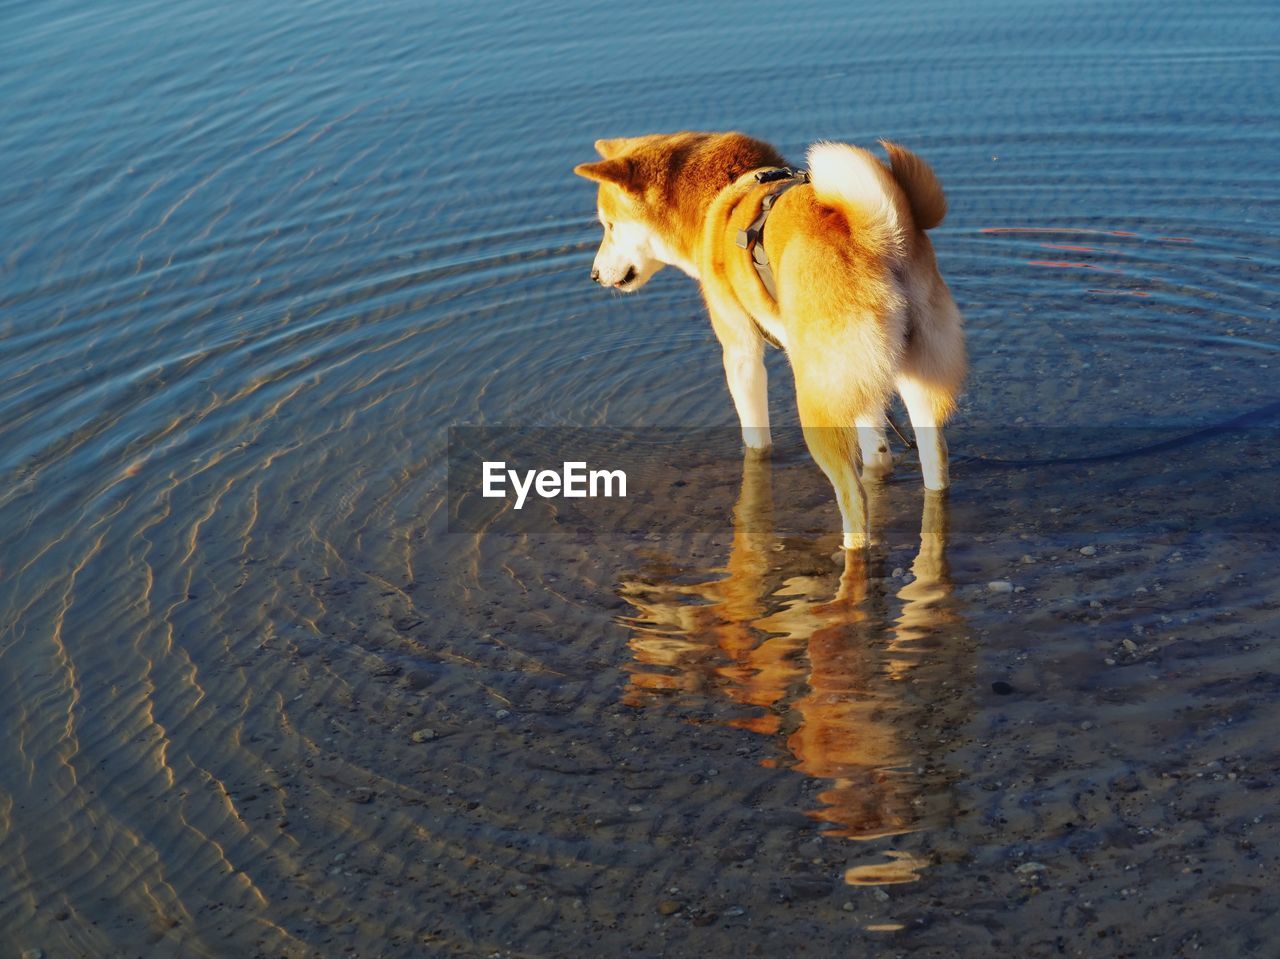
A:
502	714
362	795
1088	551
1129	645
801	888
881	895
33	954
1000	586
1026	559
423	735
669	907
899	572
1129	783
735	911
848	907
1029	867
419	678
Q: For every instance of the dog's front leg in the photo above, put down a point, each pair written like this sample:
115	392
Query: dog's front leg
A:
744	369
749	386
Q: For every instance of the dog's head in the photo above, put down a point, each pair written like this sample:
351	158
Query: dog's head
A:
654	194
632	249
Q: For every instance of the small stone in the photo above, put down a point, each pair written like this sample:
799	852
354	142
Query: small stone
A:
33	954
417	679
1088	551
1128	783
734	851
362	795
1129	646
1094	604
802	888
1000	586
423	735
669	907
1027	868
734	911
881	895
1026	559
502	714
1109	661
899	572
847	907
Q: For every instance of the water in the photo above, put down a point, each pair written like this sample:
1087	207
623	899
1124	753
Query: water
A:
258	260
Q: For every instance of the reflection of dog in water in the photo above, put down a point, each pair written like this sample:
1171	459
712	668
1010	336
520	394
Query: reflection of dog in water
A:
862	692
832	264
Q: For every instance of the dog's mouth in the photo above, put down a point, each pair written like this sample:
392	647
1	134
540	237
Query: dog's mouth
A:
631	275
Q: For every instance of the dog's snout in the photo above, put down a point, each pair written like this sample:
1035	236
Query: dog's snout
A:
595	275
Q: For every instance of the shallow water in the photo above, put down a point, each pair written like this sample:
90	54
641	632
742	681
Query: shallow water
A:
259	260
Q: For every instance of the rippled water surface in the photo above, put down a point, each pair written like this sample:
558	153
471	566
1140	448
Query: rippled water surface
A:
258	699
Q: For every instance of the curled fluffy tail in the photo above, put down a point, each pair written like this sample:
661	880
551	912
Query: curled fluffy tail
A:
921	186
887	201
853	180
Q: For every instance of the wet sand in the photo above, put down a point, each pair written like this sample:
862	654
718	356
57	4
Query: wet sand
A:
734	744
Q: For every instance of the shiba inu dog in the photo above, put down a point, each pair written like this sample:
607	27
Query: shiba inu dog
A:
833	266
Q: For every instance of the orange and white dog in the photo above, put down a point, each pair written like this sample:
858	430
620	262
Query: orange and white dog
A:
856	301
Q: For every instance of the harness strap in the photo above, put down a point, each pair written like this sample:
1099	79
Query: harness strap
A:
752	238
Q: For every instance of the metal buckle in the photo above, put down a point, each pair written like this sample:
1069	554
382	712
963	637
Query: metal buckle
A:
768	176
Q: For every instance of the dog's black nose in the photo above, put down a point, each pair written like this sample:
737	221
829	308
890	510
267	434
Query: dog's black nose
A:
595	274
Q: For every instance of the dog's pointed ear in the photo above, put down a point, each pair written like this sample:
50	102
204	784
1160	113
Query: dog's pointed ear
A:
612	148
618	170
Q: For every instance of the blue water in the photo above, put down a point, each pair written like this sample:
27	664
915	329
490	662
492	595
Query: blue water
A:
258	258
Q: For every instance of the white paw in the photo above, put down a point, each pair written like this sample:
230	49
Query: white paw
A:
877	466
854	541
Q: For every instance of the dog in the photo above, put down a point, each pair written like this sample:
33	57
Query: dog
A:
849	285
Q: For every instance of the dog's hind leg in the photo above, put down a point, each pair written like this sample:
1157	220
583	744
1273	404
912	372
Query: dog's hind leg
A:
836	450
921	406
